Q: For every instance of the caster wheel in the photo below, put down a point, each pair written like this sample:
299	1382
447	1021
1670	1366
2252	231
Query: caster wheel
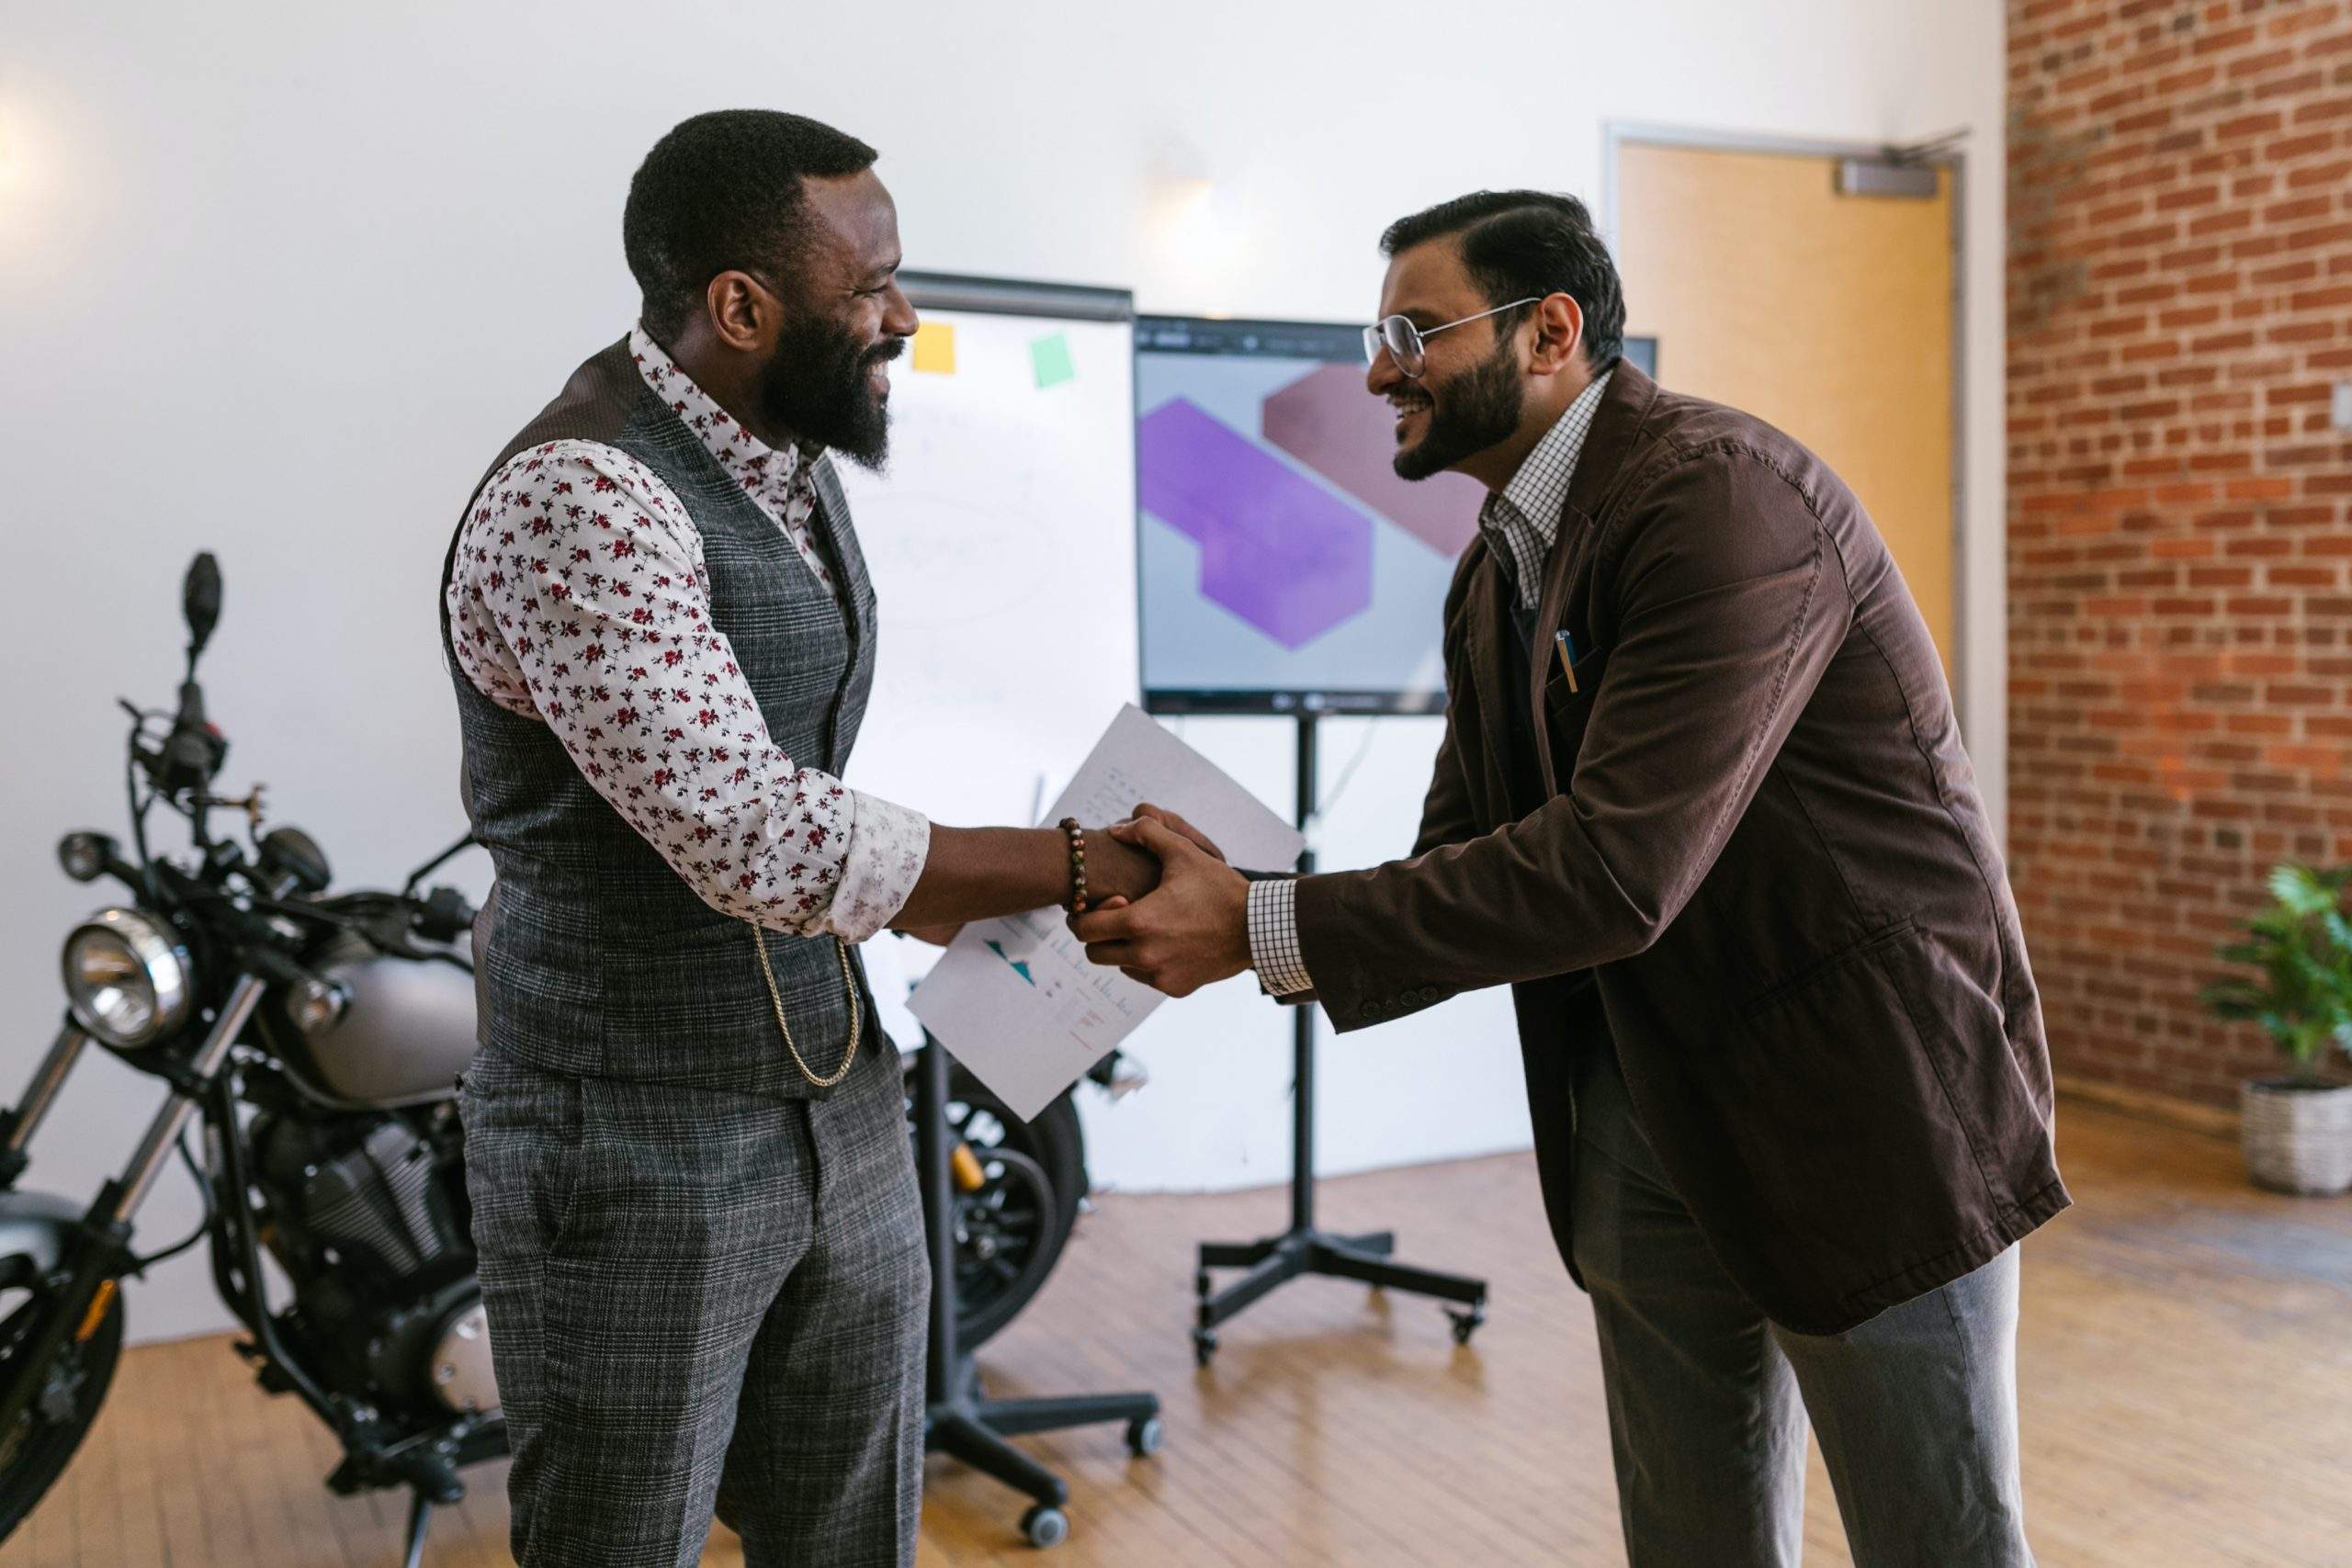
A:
1465	1324
1043	1527
1204	1347
1145	1437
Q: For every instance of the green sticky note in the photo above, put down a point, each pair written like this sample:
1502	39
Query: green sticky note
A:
1050	357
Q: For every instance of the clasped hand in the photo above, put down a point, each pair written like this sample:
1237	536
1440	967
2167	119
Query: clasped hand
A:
1189	929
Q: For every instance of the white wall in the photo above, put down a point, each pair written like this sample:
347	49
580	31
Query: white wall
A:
276	280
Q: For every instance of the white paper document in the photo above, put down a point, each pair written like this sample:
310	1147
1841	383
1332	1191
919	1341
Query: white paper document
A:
1016	998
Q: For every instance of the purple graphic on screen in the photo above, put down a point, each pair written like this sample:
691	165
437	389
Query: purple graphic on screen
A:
1277	550
1326	420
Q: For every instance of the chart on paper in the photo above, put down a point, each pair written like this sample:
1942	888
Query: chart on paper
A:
1038	952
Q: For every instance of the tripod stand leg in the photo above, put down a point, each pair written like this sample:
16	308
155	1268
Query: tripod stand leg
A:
965	1438
1263	1277
1015	1417
419	1516
1348	1265
1237	1254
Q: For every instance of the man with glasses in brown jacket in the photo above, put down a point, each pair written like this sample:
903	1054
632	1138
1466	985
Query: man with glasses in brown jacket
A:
1701	802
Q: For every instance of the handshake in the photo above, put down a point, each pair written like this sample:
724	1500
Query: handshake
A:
1164	908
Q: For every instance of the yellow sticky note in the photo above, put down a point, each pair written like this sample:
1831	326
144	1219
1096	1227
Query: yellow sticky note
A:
936	348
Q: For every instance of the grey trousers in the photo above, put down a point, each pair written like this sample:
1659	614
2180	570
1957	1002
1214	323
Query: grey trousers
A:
1915	1409
701	1301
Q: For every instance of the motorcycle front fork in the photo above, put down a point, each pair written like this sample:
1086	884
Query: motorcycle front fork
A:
16	1126
91	1267
130	1190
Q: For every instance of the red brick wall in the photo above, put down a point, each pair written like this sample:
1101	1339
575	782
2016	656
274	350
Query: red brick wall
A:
2180	508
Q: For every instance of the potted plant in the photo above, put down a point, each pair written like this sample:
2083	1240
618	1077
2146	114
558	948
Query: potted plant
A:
2297	1131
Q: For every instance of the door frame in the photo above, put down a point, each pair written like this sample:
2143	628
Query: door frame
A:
1618	134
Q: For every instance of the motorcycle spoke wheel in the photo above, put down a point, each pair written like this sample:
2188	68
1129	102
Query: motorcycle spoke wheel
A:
998	1229
36	1453
1026	1221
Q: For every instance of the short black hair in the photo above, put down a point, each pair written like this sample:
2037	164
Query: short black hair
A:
724	190
1517	243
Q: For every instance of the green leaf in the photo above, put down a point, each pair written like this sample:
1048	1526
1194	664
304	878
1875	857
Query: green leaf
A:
2301	951
2295	888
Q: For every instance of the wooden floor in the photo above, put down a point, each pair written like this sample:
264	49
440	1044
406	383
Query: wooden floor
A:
2185	1373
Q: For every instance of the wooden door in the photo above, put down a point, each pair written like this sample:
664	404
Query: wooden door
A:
1830	315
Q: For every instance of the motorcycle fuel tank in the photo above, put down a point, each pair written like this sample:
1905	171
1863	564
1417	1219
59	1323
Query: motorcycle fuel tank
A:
407	1035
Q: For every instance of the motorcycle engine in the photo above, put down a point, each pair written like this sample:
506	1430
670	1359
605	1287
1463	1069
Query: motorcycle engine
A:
369	1226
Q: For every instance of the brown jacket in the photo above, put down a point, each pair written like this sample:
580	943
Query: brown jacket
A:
1755	826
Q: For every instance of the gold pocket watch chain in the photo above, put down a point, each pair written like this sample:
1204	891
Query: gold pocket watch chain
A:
849	987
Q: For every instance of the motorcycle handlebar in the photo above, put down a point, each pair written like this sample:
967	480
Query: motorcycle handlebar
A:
445	915
275	966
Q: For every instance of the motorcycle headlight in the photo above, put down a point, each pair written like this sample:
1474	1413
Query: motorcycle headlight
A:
127	978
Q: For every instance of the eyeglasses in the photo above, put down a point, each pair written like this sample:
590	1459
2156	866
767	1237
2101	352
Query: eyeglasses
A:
1403	339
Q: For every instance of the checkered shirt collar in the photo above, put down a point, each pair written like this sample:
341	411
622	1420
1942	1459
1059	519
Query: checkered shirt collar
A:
1521	519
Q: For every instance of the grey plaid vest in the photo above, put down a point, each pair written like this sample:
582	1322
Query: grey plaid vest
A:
597	959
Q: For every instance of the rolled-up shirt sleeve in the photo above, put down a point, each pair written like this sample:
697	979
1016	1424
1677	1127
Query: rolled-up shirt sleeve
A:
579	599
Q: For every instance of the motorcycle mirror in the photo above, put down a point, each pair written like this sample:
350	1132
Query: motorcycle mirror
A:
200	602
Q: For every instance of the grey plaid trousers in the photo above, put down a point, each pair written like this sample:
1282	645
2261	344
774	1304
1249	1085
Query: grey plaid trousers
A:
702	1299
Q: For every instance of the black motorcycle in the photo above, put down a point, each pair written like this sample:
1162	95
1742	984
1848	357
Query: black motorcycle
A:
316	1038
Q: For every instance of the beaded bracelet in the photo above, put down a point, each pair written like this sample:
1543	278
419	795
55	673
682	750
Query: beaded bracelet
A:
1077	835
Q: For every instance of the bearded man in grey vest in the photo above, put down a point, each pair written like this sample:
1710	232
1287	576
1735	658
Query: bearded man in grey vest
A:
699	1231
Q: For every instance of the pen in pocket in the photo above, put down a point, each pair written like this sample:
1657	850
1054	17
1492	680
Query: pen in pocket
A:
1568	647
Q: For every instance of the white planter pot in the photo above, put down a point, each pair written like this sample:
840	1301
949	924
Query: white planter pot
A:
2297	1140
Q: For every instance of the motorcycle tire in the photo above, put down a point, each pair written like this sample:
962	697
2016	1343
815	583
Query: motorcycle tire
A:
1043	1169
48	1446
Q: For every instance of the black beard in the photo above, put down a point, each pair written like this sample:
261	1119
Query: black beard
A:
1478	409
814	386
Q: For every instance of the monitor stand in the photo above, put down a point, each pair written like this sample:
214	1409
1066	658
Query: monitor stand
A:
1304	1249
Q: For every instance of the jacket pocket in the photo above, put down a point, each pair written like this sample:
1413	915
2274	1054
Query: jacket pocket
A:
1782	991
1567	714
1842	1129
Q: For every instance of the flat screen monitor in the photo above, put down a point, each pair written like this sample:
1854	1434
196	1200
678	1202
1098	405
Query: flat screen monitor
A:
1282	565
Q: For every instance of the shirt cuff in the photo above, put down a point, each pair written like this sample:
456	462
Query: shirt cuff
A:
1274	937
888	847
